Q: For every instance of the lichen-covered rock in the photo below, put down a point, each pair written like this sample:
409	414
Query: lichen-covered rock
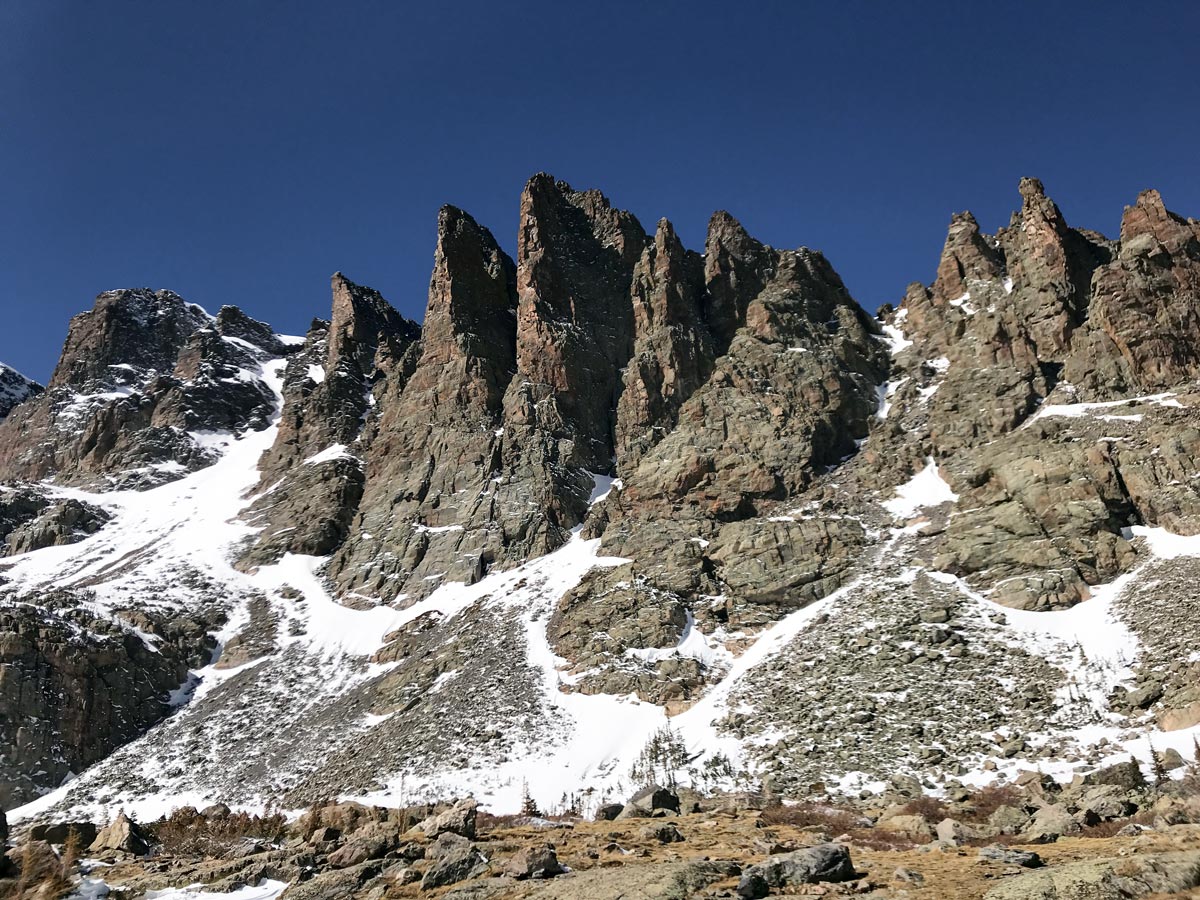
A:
1123	878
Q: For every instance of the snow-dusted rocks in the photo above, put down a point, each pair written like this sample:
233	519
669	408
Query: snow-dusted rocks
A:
15	389
145	384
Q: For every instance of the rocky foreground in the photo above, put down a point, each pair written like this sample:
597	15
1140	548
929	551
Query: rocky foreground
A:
1112	836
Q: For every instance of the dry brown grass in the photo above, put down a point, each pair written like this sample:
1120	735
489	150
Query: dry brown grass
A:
187	833
812	815
836	822
43	874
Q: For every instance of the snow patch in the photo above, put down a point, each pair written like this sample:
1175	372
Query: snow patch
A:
926	488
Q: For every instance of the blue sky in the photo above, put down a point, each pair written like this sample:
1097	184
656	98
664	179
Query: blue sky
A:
242	152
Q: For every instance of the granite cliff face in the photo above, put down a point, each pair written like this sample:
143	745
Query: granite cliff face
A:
611	479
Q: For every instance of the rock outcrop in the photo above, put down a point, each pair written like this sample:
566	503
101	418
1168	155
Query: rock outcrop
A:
312	477
738	438
31	519
74	686
1016	327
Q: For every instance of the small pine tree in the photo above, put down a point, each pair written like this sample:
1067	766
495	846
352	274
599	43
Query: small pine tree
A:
1195	750
1139	778
1157	767
529	806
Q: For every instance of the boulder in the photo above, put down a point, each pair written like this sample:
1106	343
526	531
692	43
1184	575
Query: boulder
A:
1009	856
914	826
825	862
1049	824
1122	878
454	866
445	843
534	862
60	832
664	834
1126	775
122	835
358	850
1008	819
951	831
645	802
458	819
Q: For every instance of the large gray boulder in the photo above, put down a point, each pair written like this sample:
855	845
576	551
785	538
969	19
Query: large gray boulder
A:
458	819
825	862
456	865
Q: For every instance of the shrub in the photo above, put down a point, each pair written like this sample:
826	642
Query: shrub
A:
186	832
933	809
987	800
812	815
43	875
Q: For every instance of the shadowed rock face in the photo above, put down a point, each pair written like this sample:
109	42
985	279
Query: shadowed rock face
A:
312	477
575	262
74	686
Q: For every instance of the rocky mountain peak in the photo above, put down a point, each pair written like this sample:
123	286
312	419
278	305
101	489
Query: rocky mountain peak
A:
471	312
126	332
15	389
575	259
967	256
615	466
361	323
1031	189
1148	222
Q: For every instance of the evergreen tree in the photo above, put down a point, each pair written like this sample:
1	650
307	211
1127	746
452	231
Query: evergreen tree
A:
529	806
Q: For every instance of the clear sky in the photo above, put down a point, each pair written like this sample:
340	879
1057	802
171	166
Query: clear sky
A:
241	152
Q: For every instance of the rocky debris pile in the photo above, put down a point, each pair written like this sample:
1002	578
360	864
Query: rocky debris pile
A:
143	377
902	676
725	849
15	389
1158	607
